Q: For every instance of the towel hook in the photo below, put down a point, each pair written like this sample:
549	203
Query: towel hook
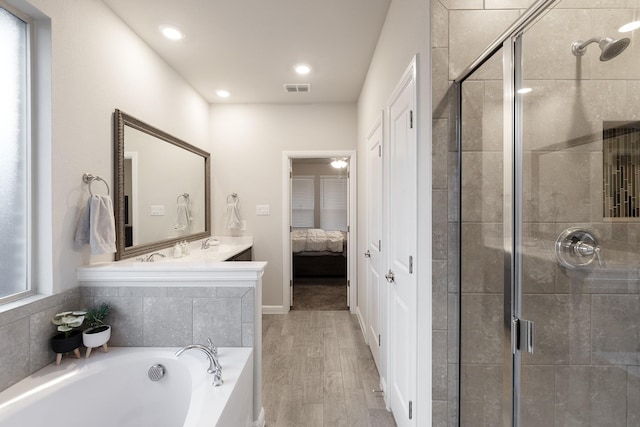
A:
89	178
186	197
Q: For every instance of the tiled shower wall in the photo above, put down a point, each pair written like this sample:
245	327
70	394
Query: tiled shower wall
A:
142	317
461	29
599	313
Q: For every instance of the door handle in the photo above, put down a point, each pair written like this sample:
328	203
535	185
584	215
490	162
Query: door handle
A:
390	277
367	254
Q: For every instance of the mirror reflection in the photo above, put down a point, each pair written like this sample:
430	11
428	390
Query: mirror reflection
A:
163	187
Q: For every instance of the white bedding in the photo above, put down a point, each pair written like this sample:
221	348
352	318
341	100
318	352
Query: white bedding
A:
317	240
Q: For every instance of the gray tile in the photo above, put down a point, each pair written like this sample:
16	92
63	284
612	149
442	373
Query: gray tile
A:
462	4
247	334
439	413
471	31
439	232
440	83
219	319
14	353
481	395
142	291
232	291
99	291
439	375
538	400
439	294
508	4
616	329
633	395
481	328
41	329
440	153
453	307
248	306
192	291
126	321
453	393
167	321
439	25
483	265
482	180
591	396
562	325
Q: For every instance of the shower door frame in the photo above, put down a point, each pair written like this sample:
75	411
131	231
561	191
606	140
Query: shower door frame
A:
511	44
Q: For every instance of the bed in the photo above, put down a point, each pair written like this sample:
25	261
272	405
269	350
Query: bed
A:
319	253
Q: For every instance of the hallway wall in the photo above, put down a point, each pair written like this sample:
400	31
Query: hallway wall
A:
248	141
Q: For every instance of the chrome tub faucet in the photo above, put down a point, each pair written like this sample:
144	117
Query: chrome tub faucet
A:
212	355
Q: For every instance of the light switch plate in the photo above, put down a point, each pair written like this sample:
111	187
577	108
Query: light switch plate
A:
157	210
263	210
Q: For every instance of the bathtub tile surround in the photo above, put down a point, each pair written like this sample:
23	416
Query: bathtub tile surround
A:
173	303
28	327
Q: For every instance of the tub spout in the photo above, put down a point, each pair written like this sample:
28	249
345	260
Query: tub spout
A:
214	365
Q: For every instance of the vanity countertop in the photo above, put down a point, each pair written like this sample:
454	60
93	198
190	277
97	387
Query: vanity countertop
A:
200	265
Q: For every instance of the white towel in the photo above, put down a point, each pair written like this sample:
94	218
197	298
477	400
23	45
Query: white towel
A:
233	215
96	226
183	217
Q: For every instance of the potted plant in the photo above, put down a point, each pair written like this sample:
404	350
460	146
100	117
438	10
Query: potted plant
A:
69	337
98	333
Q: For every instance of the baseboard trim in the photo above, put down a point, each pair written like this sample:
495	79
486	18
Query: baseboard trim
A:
274	309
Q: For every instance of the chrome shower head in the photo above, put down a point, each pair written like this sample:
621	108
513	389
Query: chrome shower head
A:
610	48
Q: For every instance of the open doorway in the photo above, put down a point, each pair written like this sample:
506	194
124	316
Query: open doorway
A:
319	224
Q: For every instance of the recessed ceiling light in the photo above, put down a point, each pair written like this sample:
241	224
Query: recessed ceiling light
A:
170	32
223	93
302	69
524	90
629	27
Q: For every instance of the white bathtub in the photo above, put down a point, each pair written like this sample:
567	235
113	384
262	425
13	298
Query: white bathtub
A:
114	389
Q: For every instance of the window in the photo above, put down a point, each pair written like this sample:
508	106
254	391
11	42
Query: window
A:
302	202
14	158
333	203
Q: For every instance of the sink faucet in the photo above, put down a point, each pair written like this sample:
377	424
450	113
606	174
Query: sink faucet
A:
212	354
206	243
150	257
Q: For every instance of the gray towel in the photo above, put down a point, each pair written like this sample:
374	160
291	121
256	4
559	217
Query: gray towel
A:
96	226
233	215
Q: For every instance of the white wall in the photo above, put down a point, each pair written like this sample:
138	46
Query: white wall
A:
248	141
406	33
98	65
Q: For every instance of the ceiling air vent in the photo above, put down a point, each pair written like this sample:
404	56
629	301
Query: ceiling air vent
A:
297	88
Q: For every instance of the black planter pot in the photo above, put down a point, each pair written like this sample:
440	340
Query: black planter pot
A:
61	344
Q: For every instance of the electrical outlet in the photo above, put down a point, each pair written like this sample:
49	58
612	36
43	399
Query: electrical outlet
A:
263	210
243	225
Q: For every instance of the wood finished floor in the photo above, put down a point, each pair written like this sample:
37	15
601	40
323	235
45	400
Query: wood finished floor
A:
318	372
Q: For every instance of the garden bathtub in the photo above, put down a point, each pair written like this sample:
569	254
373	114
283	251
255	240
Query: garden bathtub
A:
114	389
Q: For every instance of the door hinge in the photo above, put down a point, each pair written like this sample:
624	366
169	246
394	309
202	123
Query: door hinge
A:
379	150
410	119
290	174
348	175
290	228
348	283
410	410
379	245
291	283
410	265
348	229
379	341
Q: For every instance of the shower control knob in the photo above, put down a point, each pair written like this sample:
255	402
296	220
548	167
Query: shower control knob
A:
390	277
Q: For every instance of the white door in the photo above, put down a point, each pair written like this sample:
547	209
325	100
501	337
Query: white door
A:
374	240
401	255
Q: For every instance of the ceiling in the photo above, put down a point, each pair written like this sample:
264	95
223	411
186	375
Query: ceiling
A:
250	47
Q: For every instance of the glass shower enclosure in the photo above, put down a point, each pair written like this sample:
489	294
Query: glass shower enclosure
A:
549	144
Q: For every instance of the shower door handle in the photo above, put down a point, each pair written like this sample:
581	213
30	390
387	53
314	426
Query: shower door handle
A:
367	254
523	334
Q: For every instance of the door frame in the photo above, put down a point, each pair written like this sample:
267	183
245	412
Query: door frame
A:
352	238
